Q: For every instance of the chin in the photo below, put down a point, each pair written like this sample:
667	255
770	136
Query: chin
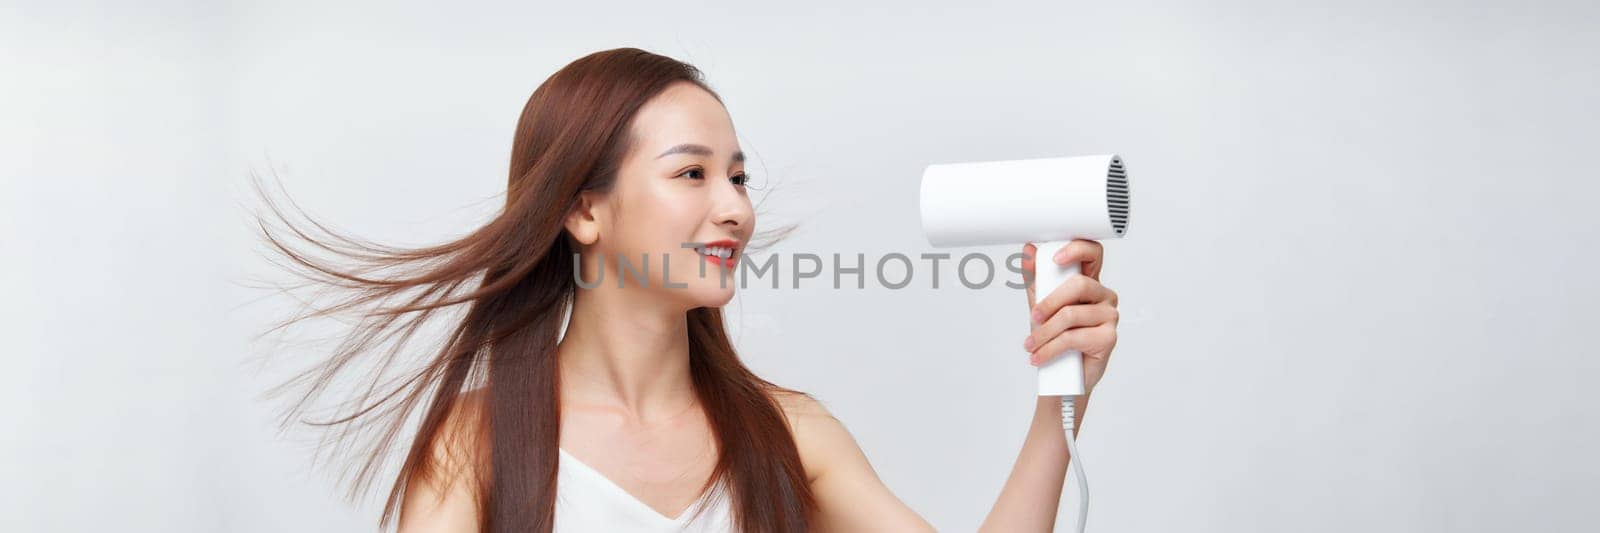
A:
711	296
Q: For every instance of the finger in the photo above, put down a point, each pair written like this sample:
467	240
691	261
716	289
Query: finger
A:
1028	251
1090	254
1069	317
1077	289
1092	342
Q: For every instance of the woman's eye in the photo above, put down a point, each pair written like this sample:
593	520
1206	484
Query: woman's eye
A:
740	179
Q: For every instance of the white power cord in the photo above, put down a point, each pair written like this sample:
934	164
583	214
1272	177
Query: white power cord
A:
1068	417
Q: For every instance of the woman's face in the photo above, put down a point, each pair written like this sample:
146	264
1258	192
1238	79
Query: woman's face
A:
681	183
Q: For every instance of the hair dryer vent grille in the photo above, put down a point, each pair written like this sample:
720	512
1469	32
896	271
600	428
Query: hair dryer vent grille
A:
1117	196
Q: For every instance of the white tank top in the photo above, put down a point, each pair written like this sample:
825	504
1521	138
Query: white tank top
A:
588	501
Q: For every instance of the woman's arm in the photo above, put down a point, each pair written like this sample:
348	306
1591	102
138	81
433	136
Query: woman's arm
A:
1081	315
851	497
1029	500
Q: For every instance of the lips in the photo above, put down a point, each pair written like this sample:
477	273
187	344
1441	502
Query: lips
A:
723	253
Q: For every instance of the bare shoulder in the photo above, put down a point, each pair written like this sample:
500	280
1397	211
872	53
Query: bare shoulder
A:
850	496
441	494
823	440
799	404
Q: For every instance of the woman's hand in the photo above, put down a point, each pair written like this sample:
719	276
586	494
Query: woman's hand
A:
1080	315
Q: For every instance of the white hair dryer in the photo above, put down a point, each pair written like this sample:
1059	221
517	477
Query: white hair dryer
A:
1048	202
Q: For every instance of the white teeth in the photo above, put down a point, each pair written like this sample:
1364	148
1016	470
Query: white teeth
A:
717	251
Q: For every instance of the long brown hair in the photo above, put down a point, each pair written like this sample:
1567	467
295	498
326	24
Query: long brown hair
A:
572	136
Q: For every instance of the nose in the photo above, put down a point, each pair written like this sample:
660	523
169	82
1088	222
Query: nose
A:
732	207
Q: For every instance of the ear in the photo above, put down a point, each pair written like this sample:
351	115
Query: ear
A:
583	219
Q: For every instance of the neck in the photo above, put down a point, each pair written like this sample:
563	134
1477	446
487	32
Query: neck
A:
622	356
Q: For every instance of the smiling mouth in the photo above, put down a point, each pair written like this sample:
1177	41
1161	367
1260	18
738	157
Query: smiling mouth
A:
723	253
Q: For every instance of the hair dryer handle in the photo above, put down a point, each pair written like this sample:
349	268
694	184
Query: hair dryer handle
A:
1062	375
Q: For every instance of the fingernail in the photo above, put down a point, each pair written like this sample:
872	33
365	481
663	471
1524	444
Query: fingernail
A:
1038	316
1027	344
1033	359
1061	255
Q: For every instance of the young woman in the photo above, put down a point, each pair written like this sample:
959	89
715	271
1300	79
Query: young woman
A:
560	404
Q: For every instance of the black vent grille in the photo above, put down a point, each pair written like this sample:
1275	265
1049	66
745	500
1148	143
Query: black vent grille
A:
1117	196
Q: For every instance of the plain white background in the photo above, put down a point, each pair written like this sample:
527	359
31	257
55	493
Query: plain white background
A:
1356	287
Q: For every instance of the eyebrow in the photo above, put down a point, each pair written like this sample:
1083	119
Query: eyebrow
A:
700	150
